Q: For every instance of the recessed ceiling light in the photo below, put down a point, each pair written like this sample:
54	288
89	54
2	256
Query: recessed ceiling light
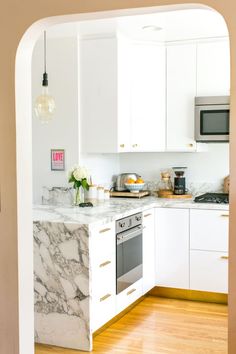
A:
152	28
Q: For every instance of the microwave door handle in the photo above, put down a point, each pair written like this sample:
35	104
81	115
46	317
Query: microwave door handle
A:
129	235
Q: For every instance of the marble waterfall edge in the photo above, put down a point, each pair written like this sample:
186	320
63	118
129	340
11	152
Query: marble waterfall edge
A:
61	284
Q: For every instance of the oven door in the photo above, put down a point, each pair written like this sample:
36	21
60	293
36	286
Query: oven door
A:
212	123
129	257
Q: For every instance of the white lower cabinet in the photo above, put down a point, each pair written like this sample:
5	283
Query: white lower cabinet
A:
129	295
148	250
103	274
209	271
209	250
172	247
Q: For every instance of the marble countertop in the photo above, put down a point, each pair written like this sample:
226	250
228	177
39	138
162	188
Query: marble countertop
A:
113	209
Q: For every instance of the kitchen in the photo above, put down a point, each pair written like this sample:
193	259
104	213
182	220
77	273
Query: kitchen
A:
170	142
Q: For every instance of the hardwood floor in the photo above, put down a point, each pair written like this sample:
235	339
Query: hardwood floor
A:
159	325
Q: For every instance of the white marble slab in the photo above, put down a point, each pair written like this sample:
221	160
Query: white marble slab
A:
61	284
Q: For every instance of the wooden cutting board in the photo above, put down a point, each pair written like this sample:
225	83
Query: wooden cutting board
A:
129	194
169	194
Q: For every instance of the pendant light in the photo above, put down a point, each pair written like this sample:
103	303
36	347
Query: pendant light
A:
45	104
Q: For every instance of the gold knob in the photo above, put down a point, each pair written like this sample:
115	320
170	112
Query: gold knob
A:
224	257
131	291
104	230
190	145
122	145
105	297
135	145
104	264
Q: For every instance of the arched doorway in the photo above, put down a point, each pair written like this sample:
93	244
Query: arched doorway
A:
23	118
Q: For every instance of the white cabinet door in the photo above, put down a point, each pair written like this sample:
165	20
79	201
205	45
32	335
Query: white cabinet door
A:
147	97
172	247
209	271
213	68
98	95
148	250
181	91
209	230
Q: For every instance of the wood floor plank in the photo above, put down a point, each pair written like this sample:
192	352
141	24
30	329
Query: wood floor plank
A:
162	326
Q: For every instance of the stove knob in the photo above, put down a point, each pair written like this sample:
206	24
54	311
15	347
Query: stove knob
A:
138	218
122	224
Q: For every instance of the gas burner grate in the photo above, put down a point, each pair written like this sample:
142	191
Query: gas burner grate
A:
217	198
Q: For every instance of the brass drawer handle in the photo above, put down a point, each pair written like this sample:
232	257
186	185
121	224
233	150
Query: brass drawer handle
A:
146	215
224	257
122	145
104	264
225	215
105	297
131	291
104	230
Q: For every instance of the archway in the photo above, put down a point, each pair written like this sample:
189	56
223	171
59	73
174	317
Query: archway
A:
24	179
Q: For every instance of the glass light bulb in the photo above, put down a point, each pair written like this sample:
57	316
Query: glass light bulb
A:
45	106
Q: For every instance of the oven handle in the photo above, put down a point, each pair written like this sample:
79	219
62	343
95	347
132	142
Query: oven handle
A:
127	235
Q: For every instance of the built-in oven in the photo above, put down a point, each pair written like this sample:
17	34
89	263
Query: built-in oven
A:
129	251
212	119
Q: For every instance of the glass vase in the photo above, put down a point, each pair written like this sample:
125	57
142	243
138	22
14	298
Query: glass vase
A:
79	196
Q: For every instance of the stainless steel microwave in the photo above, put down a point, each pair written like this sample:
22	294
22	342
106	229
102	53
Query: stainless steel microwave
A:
212	119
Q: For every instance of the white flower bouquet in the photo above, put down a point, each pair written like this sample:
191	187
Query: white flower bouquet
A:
79	176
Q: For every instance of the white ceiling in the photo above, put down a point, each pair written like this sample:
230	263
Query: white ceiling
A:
176	25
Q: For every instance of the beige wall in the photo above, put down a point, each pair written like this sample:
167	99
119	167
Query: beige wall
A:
15	17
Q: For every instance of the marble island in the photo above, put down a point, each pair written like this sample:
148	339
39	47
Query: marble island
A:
63	265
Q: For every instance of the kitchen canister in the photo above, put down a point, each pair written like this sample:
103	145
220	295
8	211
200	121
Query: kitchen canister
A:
106	194
92	193
100	193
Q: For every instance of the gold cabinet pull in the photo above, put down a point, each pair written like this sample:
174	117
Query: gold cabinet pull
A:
224	257
131	291
105	297
135	145
225	215
104	230
190	145
104	264
122	145
146	215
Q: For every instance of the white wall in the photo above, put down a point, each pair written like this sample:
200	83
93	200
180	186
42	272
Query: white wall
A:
203	167
62	131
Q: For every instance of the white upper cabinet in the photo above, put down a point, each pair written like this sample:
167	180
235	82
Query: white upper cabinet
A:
181	91
104	102
148	97
213	68
122	96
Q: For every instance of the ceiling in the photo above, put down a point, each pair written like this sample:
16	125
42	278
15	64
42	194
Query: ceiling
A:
175	25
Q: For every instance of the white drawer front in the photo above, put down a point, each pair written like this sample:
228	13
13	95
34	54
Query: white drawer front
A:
104	275
103	309
209	271
129	295
209	230
103	241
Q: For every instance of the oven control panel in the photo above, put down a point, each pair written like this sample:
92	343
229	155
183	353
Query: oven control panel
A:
128	222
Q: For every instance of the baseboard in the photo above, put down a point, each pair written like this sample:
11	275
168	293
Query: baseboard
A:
193	295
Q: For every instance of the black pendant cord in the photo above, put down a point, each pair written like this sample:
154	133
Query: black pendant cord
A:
45	75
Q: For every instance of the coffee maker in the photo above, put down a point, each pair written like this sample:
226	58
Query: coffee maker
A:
179	180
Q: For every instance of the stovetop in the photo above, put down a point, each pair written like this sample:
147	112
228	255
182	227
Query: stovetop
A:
217	198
